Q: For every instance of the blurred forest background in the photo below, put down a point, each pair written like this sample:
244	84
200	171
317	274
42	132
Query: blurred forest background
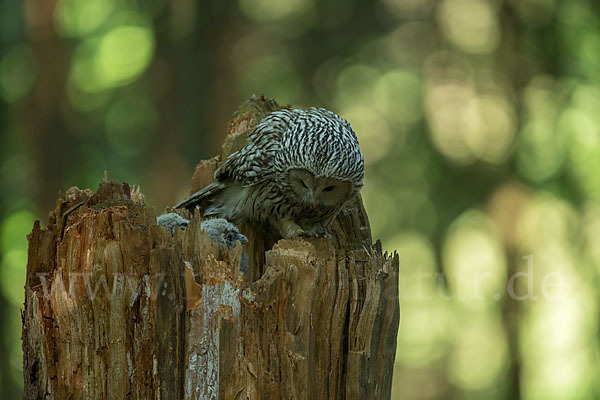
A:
479	121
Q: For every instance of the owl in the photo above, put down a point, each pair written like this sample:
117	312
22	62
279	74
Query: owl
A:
294	174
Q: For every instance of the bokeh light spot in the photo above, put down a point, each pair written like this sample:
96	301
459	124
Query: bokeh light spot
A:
473	259
471	25
15	229
399	94
452	112
114	59
559	327
557	377
79	17
125	52
12	276
581	124
497	129
84	72
541	147
13	243
466	125
591	221
424	314
373	131
481	354
547	220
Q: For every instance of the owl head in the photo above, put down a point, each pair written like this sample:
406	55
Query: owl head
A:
320	191
320	158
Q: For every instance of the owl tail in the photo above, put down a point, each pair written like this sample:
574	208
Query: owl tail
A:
202	197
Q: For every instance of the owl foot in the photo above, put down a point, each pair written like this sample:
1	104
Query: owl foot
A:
290	229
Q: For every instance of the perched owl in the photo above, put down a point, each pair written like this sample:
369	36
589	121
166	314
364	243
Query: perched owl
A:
295	172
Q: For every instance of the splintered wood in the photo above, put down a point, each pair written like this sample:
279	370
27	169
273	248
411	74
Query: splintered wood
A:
116	307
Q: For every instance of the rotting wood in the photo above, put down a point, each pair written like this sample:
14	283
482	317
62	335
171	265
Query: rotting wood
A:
117	308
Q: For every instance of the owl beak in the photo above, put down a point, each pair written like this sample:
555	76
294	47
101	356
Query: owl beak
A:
312	199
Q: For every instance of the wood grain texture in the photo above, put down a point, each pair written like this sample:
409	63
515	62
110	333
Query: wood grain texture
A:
117	308
96	317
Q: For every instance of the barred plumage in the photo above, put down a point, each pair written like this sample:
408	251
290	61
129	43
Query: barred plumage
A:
295	172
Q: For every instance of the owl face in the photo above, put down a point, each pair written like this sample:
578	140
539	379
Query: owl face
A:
318	191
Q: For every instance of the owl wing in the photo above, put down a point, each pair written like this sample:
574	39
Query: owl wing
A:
207	192
256	161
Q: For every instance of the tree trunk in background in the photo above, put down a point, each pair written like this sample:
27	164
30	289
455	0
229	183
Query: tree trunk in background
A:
117	308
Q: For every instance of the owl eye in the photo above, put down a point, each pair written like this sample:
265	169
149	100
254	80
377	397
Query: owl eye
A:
329	188
303	184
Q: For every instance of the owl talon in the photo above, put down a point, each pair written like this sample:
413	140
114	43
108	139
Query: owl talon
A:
290	229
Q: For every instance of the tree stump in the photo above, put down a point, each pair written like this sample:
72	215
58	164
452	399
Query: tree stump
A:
116	307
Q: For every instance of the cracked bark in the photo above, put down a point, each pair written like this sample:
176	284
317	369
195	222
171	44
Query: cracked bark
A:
117	308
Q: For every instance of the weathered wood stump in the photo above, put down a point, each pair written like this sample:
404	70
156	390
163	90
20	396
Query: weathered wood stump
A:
115	307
